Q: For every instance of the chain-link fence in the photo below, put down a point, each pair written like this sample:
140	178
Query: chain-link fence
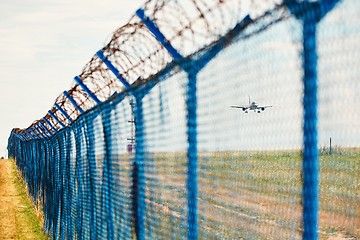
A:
207	120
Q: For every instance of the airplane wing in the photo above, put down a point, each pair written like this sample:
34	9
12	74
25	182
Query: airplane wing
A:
262	108
265	106
243	107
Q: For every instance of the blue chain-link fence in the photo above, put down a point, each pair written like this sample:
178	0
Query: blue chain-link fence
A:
161	136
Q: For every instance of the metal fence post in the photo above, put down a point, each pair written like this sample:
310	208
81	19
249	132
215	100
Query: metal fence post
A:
63	112
71	99
310	133
87	90
56	119
191	107
108	173
112	68
138	188
310	13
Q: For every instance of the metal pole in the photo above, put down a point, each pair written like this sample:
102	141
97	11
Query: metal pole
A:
47	130
48	123
113	69
71	99
138	172
56	119
158	35
87	90
38	129
310	132
191	106
63	112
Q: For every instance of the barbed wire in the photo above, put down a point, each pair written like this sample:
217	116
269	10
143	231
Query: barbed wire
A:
188	25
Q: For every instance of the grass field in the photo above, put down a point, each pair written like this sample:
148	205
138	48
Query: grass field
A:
18	218
254	195
241	195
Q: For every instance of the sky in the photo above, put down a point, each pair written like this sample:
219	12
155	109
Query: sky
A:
43	46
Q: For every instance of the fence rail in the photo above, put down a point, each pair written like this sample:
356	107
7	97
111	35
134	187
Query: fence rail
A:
146	146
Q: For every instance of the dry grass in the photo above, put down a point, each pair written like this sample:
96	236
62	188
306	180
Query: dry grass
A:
17	215
257	195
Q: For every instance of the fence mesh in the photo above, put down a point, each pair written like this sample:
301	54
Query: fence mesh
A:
207	120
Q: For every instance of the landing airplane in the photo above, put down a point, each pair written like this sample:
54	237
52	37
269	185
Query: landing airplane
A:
252	107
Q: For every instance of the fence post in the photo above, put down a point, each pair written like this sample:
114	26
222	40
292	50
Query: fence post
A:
56	119
48	123
91	158
81	230
310	152
138	171
43	126
27	136
158	34
108	176
62	185
86	89
310	13
71	99
37	133
38	129
33	133
191	107
63	112
69	188
112	68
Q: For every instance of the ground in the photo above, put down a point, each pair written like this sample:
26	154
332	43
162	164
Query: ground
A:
17	215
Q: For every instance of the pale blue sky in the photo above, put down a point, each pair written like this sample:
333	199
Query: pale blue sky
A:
43	45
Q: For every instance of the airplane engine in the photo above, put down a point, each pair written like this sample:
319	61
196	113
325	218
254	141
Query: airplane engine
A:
262	109
244	109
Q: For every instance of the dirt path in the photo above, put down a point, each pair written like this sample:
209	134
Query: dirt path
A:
17	216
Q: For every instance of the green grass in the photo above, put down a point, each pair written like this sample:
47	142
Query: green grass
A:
27	218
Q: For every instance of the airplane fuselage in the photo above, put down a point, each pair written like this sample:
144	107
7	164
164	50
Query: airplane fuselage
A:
253	106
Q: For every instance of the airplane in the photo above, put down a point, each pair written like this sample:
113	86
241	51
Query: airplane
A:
253	106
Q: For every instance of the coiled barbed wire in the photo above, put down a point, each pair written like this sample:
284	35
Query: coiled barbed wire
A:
188	25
